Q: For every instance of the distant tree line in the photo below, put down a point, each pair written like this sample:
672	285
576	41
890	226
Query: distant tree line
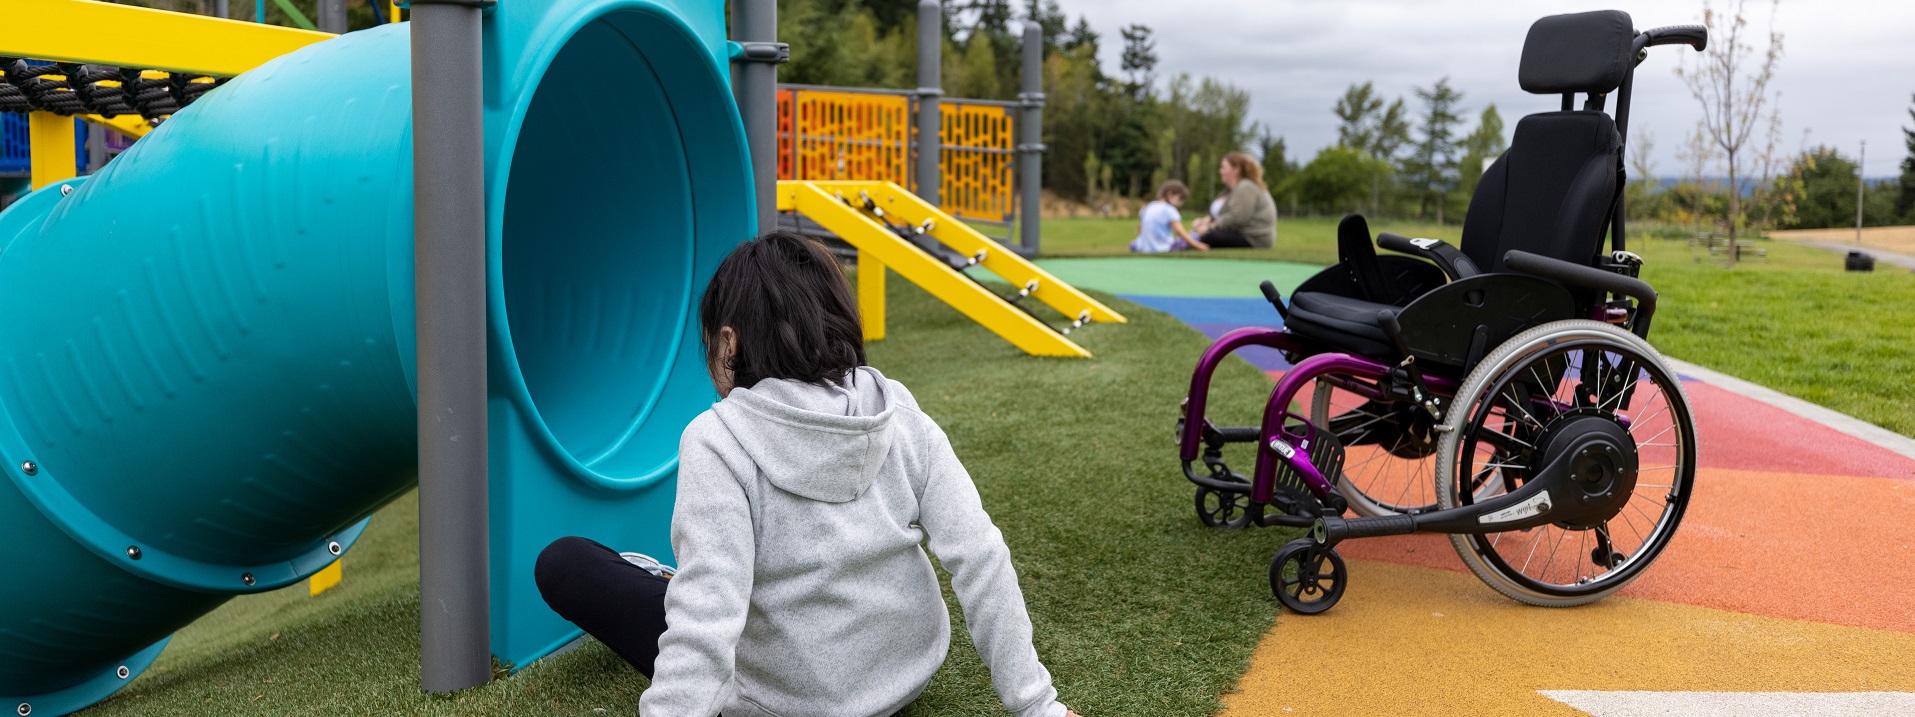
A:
1116	133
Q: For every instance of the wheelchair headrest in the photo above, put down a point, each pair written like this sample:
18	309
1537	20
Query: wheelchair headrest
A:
1578	52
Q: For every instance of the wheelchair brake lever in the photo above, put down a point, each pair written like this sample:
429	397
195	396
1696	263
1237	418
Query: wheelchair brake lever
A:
1419	391
1275	298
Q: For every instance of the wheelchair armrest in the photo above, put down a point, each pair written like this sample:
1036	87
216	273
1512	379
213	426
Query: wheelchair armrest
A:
1589	277
1454	263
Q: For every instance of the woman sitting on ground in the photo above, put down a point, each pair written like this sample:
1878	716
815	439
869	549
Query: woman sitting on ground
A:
1249	216
1161	226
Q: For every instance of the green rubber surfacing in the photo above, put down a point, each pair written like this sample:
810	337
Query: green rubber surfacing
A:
1167	276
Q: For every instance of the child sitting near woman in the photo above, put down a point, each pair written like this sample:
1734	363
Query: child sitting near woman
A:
1161	225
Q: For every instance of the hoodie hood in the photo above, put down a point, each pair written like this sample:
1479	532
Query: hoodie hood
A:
823	442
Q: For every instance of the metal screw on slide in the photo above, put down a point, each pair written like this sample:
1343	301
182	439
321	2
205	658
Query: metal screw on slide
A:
133	552
123	672
24	709
66	189
333	547
29	467
246	578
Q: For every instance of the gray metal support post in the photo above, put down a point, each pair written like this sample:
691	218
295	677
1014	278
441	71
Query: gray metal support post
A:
448	159
221	9
1030	147
755	86
930	89
95	148
332	16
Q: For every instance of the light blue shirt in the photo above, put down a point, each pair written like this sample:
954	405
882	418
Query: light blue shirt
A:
1156	235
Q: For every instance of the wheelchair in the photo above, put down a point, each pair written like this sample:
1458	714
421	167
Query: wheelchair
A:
1503	393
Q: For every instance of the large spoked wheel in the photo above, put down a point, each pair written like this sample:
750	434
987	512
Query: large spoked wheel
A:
1559	377
1306	577
1389	459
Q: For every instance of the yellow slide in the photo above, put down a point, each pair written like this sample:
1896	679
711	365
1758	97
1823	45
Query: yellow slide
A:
858	212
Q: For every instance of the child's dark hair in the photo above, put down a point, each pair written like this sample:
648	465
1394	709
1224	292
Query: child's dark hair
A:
787	300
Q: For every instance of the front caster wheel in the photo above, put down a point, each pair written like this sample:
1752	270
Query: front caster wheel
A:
1307	578
1226	508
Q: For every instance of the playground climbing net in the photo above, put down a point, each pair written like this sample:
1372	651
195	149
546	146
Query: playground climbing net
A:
70	89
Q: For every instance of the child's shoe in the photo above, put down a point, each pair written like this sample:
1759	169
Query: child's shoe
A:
650	564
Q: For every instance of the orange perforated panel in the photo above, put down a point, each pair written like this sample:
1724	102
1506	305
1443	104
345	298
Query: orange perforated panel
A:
979	149
784	133
850	136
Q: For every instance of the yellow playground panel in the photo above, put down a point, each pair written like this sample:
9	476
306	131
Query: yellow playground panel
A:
850	135
834	134
980	142
861	214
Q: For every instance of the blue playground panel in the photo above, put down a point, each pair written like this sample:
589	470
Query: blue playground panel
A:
16	149
206	350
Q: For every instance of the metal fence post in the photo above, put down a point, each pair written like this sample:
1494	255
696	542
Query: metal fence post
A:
448	156
755	86
332	16
1030	147
930	88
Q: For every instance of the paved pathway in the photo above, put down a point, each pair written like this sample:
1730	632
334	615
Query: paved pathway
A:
1881	257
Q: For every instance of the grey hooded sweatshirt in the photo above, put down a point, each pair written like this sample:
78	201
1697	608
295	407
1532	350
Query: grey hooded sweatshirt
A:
802	586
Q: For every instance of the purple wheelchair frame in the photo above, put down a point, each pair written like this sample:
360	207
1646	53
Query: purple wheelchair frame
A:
1275	442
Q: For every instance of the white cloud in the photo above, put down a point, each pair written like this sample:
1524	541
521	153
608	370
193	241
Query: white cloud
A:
1847	75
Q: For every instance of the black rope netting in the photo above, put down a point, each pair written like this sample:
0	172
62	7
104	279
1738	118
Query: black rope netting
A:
70	89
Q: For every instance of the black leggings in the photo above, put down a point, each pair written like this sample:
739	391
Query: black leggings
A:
1225	239
612	600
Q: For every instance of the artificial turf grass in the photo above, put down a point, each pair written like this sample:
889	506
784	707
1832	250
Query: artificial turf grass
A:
1137	609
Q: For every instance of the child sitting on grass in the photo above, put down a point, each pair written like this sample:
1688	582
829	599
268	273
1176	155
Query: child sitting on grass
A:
804	496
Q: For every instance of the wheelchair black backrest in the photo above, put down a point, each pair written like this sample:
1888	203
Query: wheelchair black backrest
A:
1553	191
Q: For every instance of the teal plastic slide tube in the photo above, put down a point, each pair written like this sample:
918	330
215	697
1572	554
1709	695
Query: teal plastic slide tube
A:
206	349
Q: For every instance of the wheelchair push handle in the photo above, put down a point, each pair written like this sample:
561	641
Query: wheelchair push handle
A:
1695	36
1588	277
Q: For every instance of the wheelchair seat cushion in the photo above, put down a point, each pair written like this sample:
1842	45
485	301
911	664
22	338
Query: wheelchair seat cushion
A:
1343	322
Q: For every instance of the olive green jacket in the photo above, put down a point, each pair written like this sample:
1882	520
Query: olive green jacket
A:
1250	210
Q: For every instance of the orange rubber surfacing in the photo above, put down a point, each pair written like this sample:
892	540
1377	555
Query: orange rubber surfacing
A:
1419	641
1793	571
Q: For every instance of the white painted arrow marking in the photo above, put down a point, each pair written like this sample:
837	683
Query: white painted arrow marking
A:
1736	704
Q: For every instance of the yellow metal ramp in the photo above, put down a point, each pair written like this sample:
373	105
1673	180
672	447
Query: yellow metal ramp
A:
866	215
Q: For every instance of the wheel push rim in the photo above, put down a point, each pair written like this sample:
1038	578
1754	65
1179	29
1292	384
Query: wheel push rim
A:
1498	445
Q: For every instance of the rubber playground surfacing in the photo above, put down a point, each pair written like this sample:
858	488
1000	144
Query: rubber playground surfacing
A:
1818	609
1791	573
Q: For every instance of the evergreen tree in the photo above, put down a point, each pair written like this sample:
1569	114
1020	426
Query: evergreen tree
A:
1353	111
1430	169
1482	146
1391	133
1082	36
1277	167
1051	18
1140	58
1905	202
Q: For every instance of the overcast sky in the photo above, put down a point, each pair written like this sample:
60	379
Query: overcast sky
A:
1846	75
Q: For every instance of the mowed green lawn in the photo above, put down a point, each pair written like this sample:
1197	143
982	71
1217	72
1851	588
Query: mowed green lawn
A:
1138	610
1794	321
